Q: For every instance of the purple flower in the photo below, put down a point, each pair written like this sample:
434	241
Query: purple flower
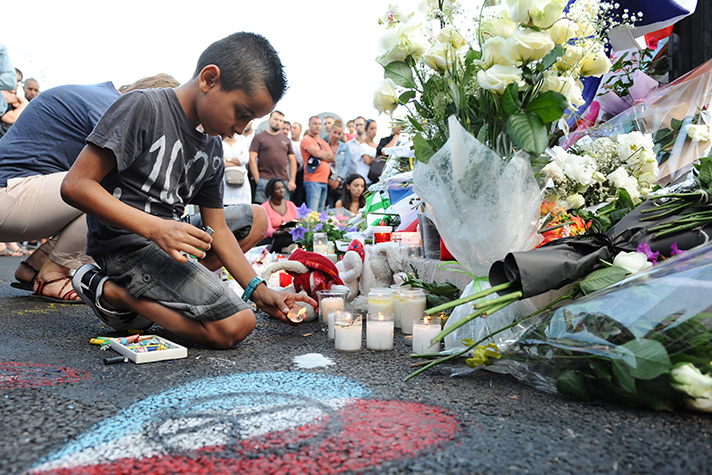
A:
298	233
323	216
303	211
350	230
675	250
318	227
643	248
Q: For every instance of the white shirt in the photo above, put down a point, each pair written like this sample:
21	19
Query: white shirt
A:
239	152
361	167
297	151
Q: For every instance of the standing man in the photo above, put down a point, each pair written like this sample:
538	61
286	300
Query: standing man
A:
355	143
328	122
286	129
270	152
32	88
296	138
317	155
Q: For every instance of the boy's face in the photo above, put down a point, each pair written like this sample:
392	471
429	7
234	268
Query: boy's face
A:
227	113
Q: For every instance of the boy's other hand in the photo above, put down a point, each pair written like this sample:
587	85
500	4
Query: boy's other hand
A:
277	304
181	239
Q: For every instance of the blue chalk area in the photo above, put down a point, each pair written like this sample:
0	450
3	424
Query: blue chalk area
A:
214	394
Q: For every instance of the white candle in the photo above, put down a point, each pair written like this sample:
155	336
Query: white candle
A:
424	330
347	332
412	306
329	304
379	332
396	305
380	300
330	325
322	249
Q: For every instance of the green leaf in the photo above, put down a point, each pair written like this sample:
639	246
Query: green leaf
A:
624	377
400	73
551	57
573	383
528	132
549	106
423	150
600	279
676	124
414	122
510	99
406	96
651	358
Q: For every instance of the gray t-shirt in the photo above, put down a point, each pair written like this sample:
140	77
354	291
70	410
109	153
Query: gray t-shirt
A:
163	163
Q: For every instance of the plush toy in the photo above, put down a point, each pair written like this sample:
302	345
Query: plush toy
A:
351	267
310	272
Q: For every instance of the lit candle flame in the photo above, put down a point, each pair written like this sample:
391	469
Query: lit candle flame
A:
426	320
299	316
380	317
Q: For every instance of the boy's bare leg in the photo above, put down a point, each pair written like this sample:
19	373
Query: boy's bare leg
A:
222	334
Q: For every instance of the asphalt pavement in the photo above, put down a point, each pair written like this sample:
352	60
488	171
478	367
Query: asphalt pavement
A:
250	410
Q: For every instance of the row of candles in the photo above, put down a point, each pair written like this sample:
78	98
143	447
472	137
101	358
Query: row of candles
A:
388	309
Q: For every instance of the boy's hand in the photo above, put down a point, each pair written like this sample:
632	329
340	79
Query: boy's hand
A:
278	304
181	239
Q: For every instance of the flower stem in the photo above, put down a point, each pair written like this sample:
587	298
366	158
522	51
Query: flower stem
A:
469	298
504	298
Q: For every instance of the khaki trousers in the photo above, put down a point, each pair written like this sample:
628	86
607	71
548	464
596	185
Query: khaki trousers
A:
31	208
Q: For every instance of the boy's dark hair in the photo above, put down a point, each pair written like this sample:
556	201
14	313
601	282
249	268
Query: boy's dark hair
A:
246	61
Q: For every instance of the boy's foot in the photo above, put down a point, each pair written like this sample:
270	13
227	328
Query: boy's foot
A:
88	283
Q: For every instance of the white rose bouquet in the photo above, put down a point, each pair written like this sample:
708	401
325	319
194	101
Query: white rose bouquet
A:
593	171
508	85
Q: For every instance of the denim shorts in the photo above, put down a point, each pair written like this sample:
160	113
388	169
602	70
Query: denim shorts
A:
238	218
189	288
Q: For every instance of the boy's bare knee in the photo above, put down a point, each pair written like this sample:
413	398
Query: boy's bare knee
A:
232	330
260	221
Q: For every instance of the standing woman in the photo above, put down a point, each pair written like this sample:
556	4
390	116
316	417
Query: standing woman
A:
367	150
236	155
352	198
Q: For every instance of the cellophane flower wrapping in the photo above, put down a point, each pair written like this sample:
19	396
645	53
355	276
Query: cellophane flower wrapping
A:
621	343
484	207
675	115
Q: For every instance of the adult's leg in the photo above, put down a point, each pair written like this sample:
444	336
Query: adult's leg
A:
260	191
313	192
32	208
324	190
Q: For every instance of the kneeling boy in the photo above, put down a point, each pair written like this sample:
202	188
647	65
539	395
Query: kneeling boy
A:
143	163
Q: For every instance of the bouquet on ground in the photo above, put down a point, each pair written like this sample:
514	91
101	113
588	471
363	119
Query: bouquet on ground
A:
591	172
334	225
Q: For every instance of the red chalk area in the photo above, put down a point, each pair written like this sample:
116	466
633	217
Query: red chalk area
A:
14	375
371	433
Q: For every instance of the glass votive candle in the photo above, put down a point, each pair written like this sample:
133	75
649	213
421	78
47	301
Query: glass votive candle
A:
330	301
396	288
382	234
424	330
348	330
412	306
321	243
379	331
380	300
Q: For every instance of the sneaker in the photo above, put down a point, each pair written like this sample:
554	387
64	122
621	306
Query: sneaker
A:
88	283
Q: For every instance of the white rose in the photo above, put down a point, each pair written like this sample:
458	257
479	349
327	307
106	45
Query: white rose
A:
385	98
633	144
498	77
401	42
452	36
699	132
554	171
703	404
686	378
596	64
632	262
539	13
439	56
527	45
574	201
496	22
580	169
563	30
492	51
571	58
566	85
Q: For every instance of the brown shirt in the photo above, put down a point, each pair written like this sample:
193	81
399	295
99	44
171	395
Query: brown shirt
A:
272	154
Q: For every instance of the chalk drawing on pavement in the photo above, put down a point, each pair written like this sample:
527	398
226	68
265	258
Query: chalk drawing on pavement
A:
16	375
256	423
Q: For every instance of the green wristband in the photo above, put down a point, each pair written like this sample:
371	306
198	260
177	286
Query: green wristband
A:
254	283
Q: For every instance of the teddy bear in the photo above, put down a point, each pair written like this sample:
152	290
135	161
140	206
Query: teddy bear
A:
350	267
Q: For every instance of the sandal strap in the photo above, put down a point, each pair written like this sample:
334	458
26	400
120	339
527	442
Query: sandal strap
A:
69	295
